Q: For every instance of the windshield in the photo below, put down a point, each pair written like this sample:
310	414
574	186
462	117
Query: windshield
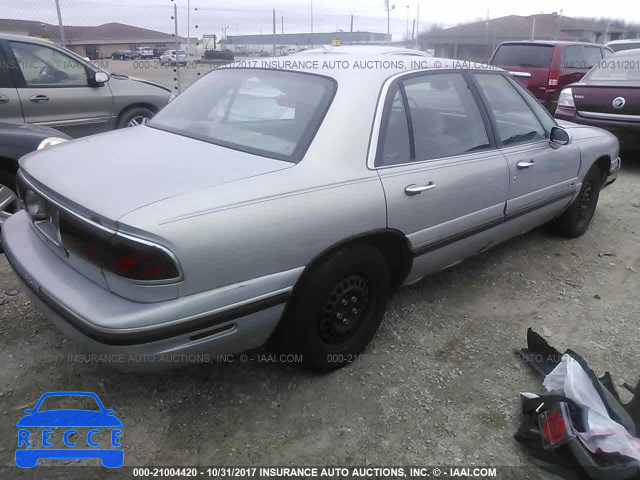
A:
616	69
525	56
265	112
69	402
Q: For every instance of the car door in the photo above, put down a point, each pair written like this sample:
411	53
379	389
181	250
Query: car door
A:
444	180
541	174
54	90
10	108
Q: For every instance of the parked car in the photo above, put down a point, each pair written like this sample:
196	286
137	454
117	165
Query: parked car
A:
16	140
293	228
122	55
143	54
620	45
608	97
158	51
47	85
361	50
172	57
546	67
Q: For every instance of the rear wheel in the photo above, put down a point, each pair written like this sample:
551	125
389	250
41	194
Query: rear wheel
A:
576	219
337	309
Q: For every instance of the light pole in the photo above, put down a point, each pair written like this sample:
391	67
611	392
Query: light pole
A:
62	39
188	27
311	23
407	37
388	8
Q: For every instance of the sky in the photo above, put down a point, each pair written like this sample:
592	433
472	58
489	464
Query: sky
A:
255	16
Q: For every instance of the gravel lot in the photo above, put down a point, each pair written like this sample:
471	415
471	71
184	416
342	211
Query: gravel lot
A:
438	385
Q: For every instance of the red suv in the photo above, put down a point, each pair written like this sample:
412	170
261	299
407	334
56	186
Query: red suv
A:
546	67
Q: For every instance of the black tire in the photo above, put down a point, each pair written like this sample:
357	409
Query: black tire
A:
576	219
8	181
337	309
136	114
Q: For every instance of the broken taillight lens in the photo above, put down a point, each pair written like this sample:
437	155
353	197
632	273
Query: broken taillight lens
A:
122	255
555	425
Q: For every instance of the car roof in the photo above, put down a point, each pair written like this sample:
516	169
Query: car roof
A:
23	38
377	68
364	50
549	42
632	52
622	42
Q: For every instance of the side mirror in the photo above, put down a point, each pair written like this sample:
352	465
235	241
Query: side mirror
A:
98	79
559	137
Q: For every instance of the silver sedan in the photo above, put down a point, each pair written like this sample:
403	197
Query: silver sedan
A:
286	205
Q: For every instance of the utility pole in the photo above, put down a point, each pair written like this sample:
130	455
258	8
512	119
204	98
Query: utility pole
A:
418	25
533	29
407	37
62	39
274	32
351	36
558	26
175	19
188	27
413	30
311	23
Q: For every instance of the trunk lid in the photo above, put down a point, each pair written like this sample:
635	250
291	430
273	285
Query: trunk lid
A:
600	99
114	173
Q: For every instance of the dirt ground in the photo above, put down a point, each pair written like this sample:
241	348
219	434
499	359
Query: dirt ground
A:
438	385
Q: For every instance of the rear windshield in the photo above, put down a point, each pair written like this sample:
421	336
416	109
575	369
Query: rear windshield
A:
525	56
616	69
265	112
618	47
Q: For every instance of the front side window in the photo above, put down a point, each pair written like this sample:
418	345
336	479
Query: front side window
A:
265	112
515	122
41	65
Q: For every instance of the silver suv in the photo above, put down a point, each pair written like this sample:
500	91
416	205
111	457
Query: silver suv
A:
45	84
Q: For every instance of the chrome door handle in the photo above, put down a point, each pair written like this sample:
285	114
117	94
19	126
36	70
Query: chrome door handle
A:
4	99
414	189
528	164
39	98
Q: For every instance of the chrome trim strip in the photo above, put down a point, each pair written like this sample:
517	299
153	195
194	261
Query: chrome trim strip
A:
520	74
610	116
77	121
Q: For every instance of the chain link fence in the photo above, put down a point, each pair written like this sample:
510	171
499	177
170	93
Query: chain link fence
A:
130	36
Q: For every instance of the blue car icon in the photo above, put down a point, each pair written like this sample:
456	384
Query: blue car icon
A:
98	421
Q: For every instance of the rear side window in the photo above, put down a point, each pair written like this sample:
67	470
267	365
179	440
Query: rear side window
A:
592	56
572	57
396	142
515	122
523	55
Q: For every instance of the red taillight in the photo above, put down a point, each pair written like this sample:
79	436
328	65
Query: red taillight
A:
556	426
122	255
554	77
133	259
554	429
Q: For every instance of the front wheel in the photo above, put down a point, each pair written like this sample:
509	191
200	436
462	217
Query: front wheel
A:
576	219
134	117
337	309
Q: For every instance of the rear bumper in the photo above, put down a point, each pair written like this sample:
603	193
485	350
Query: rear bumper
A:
223	321
627	133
